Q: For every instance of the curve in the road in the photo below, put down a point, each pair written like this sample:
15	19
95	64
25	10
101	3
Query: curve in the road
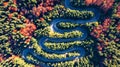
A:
56	29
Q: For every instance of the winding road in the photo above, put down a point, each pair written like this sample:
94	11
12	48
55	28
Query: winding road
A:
56	29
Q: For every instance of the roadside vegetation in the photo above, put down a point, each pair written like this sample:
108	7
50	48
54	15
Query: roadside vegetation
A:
24	22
